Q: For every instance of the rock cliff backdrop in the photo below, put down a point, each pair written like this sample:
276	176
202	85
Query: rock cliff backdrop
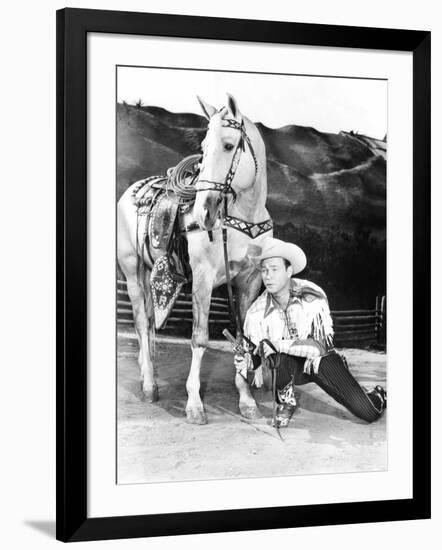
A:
326	192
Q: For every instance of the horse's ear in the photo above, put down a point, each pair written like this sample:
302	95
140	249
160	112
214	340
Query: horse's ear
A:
208	110
233	106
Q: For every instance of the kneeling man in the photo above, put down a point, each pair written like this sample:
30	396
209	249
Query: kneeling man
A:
290	324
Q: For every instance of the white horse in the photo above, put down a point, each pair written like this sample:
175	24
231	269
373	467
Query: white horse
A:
233	168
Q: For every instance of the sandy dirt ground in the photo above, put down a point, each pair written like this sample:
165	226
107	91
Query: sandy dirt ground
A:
156	444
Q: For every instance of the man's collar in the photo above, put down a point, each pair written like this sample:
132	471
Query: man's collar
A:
298	292
271	302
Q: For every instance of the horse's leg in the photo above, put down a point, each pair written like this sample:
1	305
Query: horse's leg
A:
150	388
201	294
247	283
130	234
144	322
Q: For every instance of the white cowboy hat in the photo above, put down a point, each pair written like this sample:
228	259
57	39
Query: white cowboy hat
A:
273	248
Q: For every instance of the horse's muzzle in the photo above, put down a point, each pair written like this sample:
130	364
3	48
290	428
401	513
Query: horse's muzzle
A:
207	220
207	215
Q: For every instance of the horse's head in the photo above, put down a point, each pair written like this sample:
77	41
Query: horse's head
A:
229	164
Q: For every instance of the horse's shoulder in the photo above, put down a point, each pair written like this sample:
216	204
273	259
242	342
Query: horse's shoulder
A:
259	303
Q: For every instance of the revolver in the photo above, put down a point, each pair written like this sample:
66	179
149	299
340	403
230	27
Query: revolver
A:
241	346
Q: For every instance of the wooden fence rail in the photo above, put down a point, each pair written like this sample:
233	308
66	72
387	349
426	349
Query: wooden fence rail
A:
351	326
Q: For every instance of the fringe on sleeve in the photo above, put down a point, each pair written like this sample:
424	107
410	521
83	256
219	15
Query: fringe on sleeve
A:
322	323
258	379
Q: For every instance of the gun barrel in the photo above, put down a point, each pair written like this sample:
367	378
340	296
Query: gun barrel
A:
227	334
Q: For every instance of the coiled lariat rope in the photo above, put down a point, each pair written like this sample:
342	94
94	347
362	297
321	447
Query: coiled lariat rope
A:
182	178
180	181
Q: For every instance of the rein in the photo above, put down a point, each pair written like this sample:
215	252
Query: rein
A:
273	363
225	188
234	313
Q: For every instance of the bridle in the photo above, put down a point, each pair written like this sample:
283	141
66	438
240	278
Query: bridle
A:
225	187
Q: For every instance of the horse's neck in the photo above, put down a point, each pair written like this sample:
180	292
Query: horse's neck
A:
250	204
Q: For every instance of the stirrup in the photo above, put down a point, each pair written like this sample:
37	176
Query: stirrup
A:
165	286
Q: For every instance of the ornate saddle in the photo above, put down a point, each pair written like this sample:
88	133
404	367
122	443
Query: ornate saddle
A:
158	203
161	198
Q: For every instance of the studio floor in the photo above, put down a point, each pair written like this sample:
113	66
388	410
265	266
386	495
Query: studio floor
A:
155	443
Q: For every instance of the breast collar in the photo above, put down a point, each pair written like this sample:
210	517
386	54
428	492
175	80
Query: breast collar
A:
252	230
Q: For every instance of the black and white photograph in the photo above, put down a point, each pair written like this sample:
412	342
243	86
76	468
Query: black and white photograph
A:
221	229
251	274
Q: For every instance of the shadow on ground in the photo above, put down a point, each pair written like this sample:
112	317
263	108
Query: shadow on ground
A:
156	444
44	526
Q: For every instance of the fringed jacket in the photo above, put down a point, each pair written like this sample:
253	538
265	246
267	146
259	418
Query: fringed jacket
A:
303	329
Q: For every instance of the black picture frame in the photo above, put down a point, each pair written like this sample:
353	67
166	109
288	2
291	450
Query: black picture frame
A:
73	25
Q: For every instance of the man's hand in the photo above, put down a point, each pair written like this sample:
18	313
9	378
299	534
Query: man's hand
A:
242	363
268	350
308	347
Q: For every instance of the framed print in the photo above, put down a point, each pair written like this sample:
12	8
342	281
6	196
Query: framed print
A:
242	276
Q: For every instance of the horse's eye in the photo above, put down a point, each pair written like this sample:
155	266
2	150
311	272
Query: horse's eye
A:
228	147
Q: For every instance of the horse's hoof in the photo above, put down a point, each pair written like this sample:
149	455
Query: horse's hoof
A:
150	394
196	416
251	413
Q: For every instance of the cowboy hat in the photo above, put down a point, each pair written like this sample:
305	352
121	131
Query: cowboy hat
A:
273	248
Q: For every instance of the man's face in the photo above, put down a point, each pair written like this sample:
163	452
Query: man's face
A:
275	275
